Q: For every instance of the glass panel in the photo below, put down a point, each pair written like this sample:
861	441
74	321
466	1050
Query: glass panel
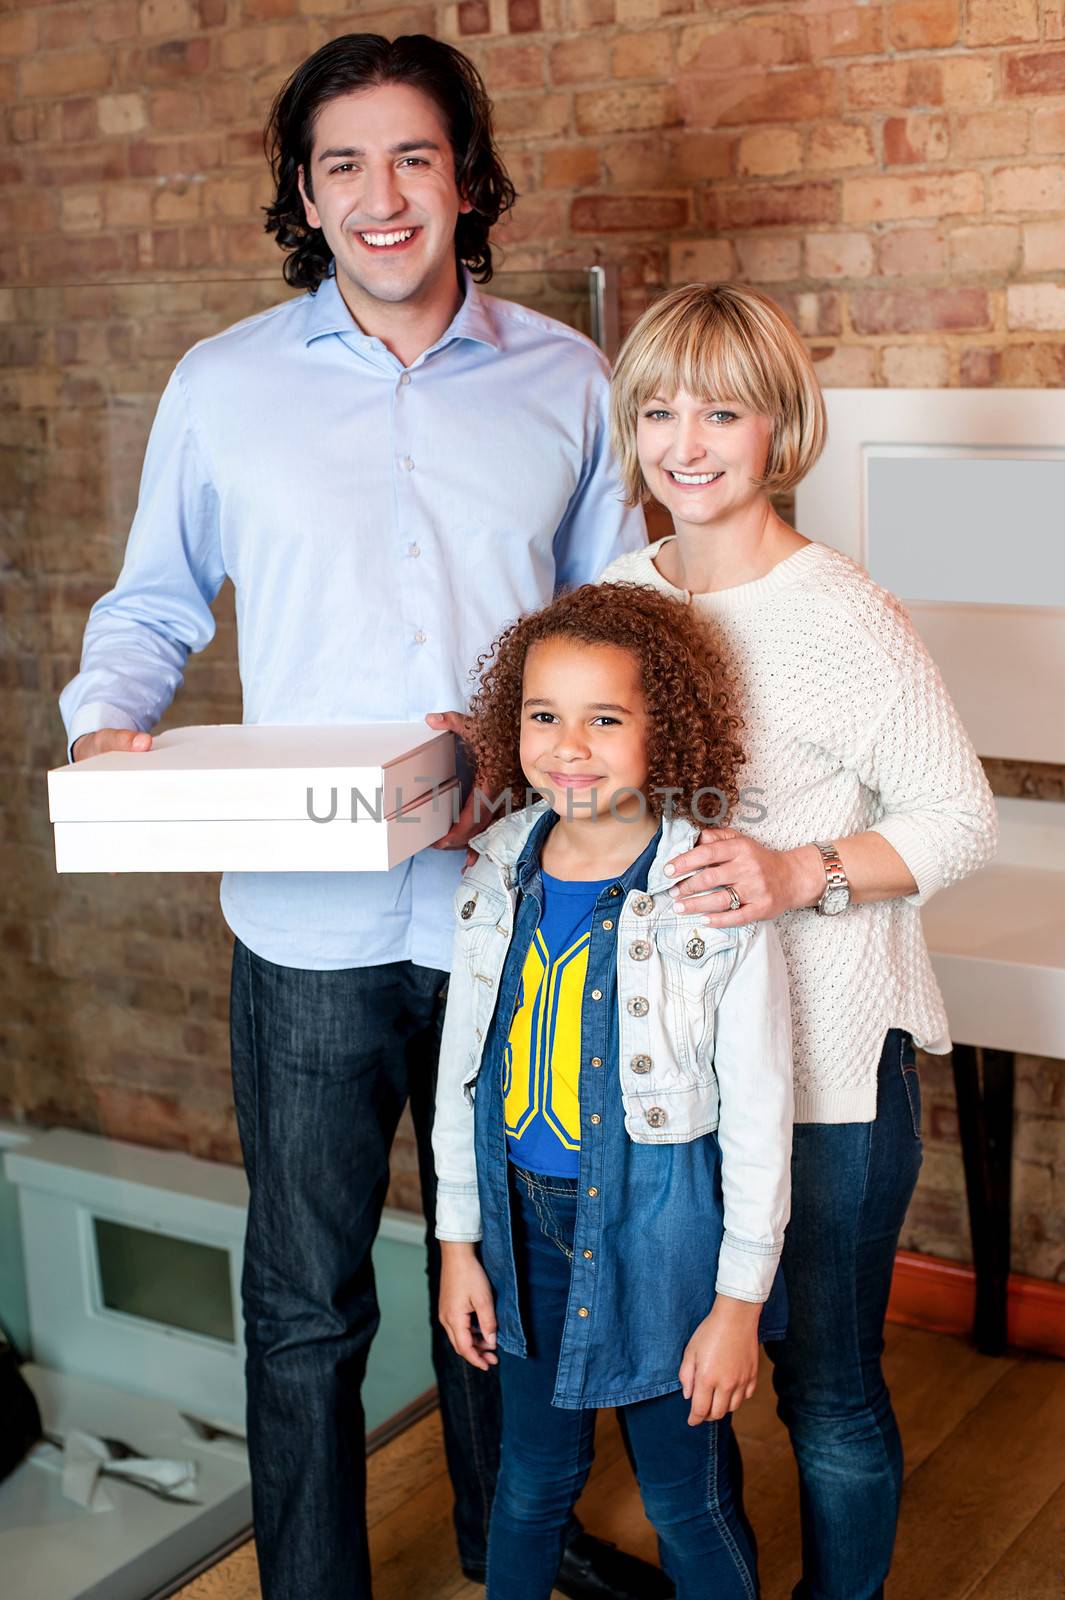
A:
177	1282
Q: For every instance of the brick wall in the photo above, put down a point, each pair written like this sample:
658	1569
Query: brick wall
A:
891	172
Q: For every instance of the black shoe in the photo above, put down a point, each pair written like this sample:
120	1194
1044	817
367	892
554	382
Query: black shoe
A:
592	1569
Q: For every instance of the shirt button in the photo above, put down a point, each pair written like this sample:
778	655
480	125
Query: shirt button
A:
639	950
414	549
595	1118
405	378
607	924
641	1064
420	637
587	1254
695	948
597	1061
582	1311
597	994
407	463
593	1192
637	1006
656	1117
643	905
615	890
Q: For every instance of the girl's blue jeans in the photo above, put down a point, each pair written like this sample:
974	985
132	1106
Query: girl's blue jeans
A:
687	1476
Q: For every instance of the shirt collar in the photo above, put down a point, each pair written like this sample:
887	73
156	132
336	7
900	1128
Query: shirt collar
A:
527	868
328	313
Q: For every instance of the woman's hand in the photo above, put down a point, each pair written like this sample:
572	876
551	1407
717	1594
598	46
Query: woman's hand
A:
467	1306
720	1366
767	881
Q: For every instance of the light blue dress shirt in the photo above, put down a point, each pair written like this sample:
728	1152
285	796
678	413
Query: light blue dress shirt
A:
380	525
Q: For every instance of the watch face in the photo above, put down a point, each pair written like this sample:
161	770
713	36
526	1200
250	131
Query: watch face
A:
834	901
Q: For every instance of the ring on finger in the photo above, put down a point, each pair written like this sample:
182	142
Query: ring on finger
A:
734	901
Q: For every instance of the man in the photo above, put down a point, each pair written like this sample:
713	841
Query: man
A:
389	468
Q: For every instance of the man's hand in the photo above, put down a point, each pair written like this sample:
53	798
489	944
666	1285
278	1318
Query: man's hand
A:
767	881
720	1366
105	739
465	1299
467	823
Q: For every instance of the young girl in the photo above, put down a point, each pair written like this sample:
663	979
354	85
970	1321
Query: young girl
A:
613	1116
874	798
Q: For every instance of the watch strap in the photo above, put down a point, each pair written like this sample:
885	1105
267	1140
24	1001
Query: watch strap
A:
835	873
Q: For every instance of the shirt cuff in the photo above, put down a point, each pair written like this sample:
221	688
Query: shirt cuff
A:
907	837
746	1270
458	1212
94	716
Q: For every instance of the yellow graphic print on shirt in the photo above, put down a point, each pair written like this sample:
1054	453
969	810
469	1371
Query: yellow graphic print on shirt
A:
542	1062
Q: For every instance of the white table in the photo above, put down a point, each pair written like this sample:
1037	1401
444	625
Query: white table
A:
998	949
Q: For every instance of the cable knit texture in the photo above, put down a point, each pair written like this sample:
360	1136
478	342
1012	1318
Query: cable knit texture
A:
847	727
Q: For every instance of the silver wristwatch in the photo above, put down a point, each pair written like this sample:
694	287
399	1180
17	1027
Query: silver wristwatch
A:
837	895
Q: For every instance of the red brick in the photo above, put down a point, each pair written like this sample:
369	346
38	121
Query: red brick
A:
523	16
78	120
836	145
1032	366
839	255
64	30
474	17
645	162
768	206
169	157
994	247
572	166
915	366
626	110
161	63
915	139
18	34
1038	306
700	261
73	72
979	367
176	111
166	16
935	195
120	113
796	95
1044	246
1028	188
768	258
919	310
113	20
923	24
533	116
584	60
770	151
1048	129
1042	72
755	41
846	31
814	314
913	252
1001	21
648	54
991	133
695	157
515	67
267	10
633	213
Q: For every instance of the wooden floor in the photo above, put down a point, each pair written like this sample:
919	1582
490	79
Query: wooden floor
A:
983	1515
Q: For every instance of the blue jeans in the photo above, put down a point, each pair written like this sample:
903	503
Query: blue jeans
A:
686	1475
323	1064
851	1185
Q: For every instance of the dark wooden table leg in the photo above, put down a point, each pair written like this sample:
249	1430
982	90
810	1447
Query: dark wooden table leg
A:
983	1085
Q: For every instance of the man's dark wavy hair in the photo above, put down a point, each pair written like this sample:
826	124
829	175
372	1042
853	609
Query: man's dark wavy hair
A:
364	61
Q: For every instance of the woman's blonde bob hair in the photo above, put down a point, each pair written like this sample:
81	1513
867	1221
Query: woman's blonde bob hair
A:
720	341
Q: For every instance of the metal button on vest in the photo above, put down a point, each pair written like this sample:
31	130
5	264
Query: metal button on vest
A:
597	994
637	1006
468	909
582	1311
587	1254
656	1117
643	905
695	948
615	890
607	924
641	1064
597	1061
640	950
595	1118
593	1192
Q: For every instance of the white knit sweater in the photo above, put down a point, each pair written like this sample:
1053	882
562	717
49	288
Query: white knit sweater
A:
847	728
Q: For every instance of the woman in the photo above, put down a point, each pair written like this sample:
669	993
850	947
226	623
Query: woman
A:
872	798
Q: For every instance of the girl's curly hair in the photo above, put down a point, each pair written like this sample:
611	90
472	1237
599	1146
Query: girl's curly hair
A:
364	61
692	741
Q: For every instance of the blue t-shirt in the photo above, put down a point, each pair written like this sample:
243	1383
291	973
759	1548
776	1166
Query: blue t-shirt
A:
542	1061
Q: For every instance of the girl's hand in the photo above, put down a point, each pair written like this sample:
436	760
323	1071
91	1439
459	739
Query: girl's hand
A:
720	1367
465	1299
767	881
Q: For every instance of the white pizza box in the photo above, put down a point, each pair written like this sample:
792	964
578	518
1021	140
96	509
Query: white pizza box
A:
257	799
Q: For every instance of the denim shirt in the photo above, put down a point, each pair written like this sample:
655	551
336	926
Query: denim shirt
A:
650	1215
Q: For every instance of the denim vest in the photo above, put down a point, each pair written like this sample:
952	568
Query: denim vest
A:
650	1217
